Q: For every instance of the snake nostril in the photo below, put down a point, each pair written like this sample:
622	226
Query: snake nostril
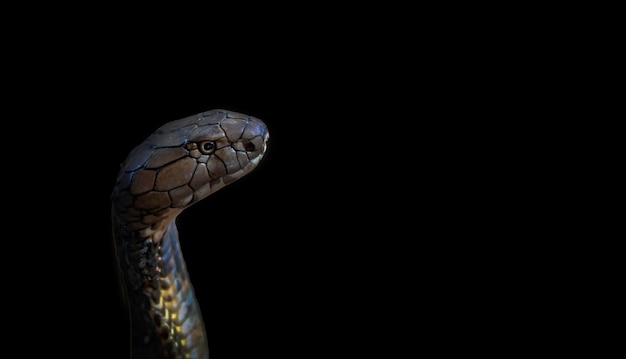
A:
248	146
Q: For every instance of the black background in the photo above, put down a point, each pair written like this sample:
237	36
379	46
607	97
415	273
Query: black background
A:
357	205
399	207
320	249
288	260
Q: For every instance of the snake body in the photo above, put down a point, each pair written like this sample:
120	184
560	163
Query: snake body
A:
181	163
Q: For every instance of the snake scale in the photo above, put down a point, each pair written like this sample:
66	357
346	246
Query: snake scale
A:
181	163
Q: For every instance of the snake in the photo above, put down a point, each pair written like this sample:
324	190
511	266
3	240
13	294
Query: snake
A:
181	163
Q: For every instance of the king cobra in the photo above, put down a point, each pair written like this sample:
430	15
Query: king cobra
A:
181	163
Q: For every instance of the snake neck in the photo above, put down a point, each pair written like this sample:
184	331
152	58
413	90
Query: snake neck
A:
165	317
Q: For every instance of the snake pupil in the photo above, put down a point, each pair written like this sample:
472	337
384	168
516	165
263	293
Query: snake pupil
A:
208	146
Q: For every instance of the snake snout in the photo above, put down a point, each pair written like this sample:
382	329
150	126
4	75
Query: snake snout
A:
255	137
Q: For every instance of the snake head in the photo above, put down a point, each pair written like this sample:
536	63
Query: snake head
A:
183	162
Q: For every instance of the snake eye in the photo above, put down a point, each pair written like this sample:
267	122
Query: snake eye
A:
248	146
207	147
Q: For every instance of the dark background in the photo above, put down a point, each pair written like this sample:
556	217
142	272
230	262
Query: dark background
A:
321	247
309	251
399	208
358	205
282	261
